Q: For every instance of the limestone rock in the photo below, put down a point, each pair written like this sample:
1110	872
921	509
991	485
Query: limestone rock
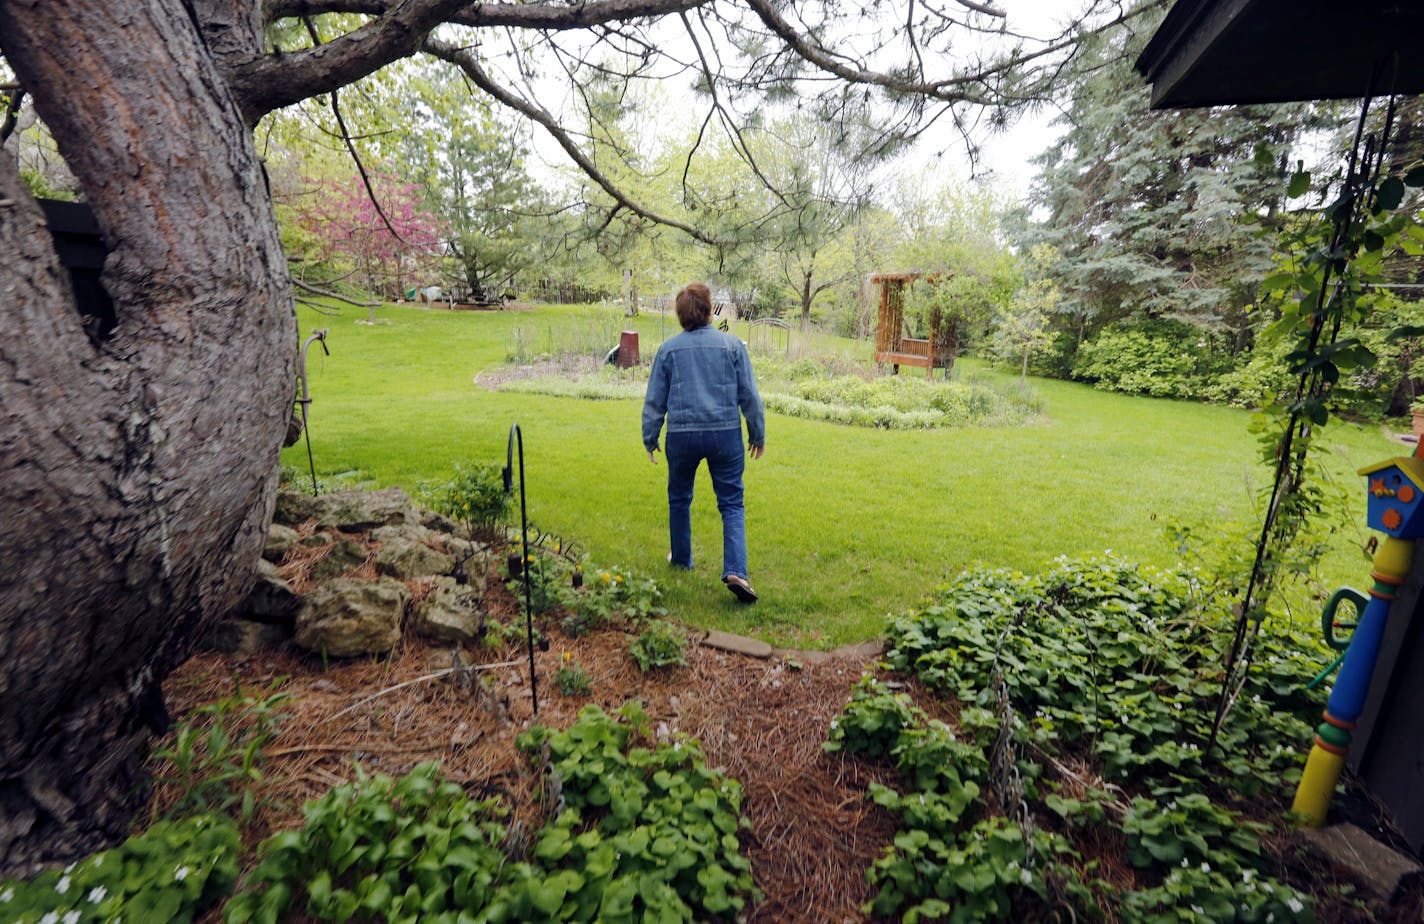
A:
243	637
354	511
271	599
345	555
409	532
294	507
280	540
451	613
405	559
439	523
346	617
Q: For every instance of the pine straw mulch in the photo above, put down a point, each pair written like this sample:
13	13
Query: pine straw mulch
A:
814	833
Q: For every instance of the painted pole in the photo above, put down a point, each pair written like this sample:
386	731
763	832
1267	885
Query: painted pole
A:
1347	698
1394	504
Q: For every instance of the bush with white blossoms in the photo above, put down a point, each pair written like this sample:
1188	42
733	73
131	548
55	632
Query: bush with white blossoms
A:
172	872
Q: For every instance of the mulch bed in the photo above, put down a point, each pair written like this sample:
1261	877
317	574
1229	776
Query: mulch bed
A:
814	833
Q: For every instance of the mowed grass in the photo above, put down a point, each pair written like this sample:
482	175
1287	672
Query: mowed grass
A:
846	525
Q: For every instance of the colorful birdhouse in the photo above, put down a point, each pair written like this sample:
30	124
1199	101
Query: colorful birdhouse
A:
1396	495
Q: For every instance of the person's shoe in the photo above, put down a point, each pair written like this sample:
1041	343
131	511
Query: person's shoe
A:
740	588
676	565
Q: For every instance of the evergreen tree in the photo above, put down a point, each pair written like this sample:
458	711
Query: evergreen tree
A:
1159	214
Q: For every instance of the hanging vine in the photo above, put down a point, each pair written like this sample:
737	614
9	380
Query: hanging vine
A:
1329	283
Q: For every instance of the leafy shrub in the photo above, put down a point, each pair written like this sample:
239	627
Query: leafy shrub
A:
474	495
901	402
660	644
609	594
1160	358
216	754
644	835
1104	659
380	849
174	871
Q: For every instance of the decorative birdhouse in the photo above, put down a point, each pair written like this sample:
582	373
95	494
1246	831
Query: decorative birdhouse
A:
1396	494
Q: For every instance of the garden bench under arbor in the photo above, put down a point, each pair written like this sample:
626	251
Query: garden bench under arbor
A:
891	344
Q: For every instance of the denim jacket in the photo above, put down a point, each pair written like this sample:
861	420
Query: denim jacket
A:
700	380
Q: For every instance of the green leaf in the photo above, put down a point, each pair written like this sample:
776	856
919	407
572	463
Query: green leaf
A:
1391	193
1299	184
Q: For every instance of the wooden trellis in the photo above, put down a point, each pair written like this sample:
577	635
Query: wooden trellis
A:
891	344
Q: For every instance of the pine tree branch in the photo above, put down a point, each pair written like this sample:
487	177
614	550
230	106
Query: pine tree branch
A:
466	61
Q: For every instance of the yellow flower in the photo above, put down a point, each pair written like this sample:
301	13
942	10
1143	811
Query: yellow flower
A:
617	578
606	576
530	559
568	656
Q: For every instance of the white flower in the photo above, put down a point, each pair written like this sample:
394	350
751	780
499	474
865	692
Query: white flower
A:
6	895
1295	905
181	873
62	885
51	917
1185	864
1246	874
71	917
1198	909
1206	867
96	894
1025	877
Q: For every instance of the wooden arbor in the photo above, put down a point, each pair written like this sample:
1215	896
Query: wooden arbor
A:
891	344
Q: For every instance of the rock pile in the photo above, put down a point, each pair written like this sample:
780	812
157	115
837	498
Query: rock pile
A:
342	572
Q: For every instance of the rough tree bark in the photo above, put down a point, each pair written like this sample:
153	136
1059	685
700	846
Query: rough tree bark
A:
136	474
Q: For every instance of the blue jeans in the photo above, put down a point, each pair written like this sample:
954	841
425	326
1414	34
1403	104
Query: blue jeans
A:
726	461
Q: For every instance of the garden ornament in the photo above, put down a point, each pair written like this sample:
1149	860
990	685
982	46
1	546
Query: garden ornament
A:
1394	502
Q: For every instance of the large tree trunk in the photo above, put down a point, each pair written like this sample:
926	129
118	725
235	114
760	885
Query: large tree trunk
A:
137	474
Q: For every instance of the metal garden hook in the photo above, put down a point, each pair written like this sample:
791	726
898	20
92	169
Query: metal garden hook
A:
516	434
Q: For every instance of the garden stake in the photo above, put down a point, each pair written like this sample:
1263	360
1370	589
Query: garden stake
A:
320	335
515	432
1395	498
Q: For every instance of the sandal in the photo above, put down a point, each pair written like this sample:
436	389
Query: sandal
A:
740	588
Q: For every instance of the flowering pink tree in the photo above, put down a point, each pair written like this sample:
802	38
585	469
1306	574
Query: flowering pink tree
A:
344	227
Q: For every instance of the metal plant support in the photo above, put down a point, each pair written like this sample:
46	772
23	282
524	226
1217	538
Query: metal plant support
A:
1367	157
515	434
318	335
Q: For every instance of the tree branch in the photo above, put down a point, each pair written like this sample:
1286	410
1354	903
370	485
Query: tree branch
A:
516	15
462	58
272	81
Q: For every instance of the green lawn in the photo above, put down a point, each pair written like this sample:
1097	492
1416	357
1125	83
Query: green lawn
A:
845	524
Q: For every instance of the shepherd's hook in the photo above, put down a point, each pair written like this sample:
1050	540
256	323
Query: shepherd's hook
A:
517	434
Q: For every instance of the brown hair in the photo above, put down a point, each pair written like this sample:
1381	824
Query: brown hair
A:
694	306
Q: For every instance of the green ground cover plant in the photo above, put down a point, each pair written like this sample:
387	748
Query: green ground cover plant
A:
846	524
1095	661
635	833
174	871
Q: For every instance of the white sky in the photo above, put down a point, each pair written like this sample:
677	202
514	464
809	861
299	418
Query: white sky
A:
1004	155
